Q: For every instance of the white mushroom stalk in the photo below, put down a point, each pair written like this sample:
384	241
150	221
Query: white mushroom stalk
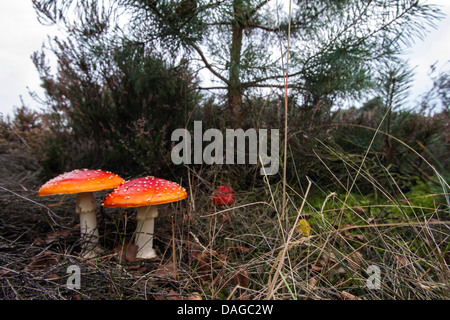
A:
145	193
145	232
86	208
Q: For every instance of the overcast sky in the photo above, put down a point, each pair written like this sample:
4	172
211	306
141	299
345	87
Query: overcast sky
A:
21	35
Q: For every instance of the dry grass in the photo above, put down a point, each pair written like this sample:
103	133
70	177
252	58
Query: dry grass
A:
242	252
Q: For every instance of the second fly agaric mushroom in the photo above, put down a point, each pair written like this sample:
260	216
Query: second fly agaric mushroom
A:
145	193
83	183
223	196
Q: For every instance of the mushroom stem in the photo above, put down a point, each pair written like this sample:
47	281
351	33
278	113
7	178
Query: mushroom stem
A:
144	232
86	208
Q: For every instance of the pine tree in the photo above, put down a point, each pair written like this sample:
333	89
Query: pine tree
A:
334	47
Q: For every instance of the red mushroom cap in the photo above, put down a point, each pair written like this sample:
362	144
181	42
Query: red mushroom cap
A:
78	181
144	192
223	196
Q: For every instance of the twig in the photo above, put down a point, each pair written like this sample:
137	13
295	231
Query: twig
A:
20	138
283	209
237	207
15	292
37	203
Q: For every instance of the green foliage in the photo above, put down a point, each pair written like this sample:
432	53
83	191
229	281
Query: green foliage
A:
172	24
400	142
412	134
119	109
335	48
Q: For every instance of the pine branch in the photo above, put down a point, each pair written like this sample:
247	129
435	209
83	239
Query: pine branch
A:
257	7
207	64
256	26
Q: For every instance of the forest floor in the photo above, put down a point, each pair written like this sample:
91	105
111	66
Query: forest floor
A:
204	253
40	241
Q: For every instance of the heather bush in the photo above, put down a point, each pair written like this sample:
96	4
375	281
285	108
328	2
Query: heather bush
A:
119	111
412	133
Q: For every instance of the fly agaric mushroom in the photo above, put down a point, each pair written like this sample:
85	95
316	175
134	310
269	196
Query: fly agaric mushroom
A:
145	193
83	183
223	196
